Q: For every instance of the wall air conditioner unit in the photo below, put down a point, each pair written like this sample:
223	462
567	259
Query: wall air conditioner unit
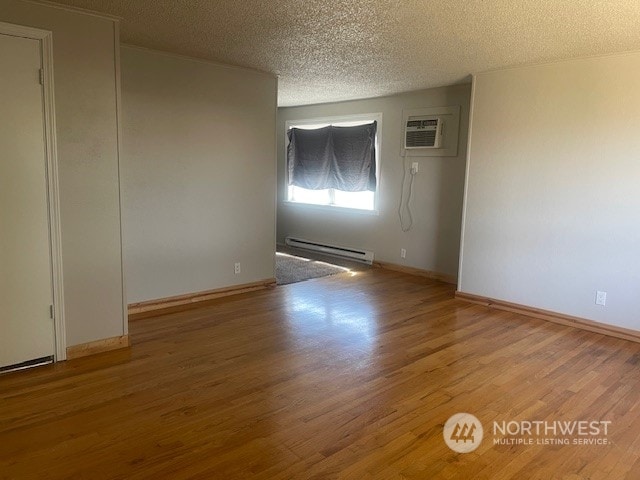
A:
423	132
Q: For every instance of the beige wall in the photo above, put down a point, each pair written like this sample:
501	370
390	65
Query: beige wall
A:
198	174
85	98
433	243
553	198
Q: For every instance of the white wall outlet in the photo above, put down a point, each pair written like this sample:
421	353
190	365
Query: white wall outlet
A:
237	268
415	167
601	298
403	253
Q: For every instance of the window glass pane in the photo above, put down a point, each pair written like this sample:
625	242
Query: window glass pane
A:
361	200
316	197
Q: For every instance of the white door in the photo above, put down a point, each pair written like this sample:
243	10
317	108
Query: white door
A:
26	329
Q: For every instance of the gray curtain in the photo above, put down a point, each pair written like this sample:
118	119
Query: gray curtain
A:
343	158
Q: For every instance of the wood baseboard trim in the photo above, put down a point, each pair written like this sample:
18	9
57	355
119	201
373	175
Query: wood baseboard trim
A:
188	301
442	277
97	346
554	317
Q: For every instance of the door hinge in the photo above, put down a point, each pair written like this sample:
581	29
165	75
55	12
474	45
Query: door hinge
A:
41	76
51	314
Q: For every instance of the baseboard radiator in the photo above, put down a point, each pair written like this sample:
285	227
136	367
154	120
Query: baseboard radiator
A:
358	255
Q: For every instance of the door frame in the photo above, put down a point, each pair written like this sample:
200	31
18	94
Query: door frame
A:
45	38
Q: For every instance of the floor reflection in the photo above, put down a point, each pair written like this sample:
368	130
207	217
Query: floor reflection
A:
343	318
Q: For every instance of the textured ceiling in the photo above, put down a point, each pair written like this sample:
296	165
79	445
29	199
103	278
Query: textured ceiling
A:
329	50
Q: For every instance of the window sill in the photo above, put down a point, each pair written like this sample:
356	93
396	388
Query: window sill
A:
329	208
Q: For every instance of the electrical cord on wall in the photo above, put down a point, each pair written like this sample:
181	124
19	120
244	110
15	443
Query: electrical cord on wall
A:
406	206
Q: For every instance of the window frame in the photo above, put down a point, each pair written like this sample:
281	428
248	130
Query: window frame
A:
338	120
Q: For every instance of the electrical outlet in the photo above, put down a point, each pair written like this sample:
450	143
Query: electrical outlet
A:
601	298
403	253
237	268
415	167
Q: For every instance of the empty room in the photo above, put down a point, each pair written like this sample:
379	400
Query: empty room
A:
319	240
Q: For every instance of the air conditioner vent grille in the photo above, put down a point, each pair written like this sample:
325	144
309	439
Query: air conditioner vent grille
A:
423	138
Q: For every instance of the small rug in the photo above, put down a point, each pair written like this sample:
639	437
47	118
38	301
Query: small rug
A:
292	269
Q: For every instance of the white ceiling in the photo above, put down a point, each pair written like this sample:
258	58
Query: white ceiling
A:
330	50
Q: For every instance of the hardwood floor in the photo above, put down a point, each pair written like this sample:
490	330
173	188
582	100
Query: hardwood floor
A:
339	377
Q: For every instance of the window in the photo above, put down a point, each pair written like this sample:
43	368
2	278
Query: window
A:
312	190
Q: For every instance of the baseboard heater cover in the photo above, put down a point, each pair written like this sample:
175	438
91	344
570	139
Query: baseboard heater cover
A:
364	256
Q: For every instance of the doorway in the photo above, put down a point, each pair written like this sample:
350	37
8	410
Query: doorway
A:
31	302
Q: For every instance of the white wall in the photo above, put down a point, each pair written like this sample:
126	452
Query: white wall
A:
84	62
433	243
198	174
553	197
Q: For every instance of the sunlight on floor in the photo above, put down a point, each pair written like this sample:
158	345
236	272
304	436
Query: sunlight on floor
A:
323	314
351	272
279	254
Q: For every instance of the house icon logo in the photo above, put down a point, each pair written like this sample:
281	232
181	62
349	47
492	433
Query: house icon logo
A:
463	433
